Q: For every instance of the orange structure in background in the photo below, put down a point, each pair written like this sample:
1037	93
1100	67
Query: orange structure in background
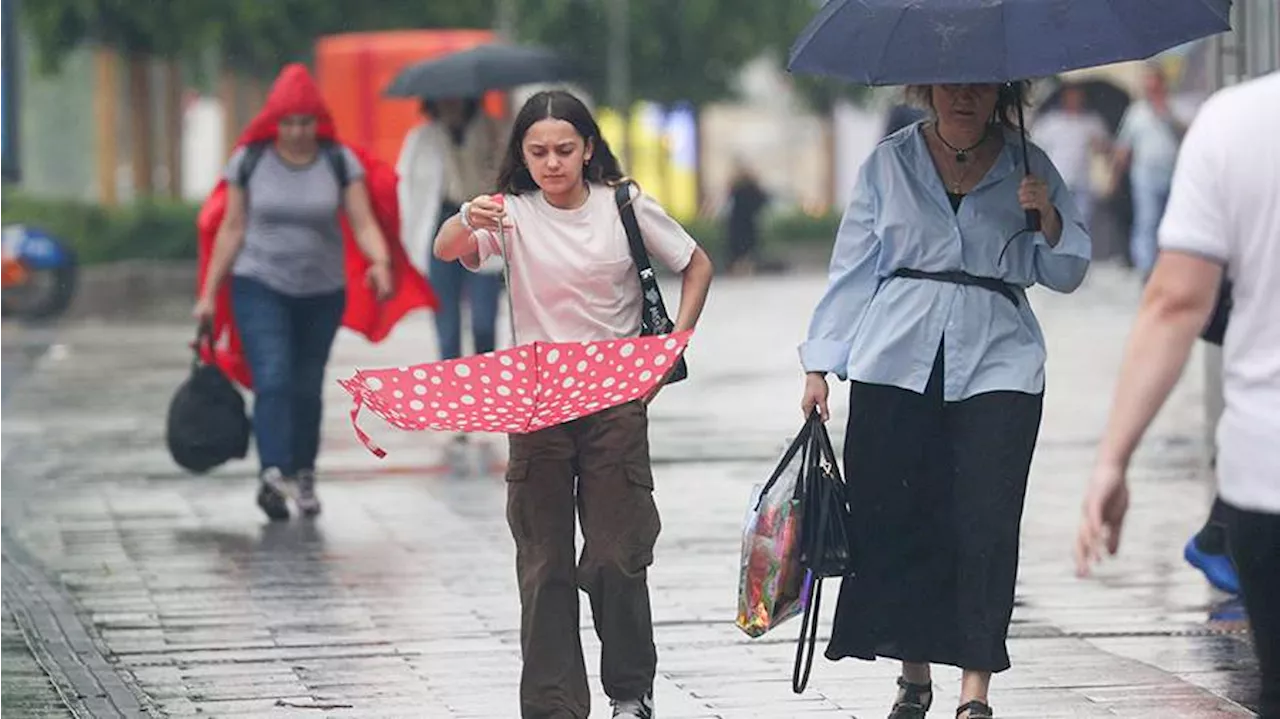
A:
353	70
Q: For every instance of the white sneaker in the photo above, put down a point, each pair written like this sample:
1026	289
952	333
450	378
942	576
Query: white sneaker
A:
305	496
272	490
641	708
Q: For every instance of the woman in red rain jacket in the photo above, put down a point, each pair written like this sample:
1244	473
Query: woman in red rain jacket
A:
294	243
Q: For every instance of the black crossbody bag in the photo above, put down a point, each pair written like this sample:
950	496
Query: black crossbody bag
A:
654	319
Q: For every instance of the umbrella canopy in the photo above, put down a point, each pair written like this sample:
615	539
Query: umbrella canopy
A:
925	42
518	390
473	72
919	42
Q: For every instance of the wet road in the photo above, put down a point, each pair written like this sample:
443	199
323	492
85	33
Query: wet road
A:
23	348
400	599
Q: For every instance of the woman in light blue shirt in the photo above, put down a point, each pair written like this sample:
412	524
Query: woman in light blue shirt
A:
926	314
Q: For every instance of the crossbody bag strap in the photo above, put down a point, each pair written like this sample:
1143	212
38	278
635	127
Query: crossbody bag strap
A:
654	317
635	240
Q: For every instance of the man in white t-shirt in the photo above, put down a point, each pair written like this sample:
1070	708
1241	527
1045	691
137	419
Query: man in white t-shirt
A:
1070	135
1223	214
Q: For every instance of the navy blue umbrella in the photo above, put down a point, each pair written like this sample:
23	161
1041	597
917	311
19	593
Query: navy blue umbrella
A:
923	42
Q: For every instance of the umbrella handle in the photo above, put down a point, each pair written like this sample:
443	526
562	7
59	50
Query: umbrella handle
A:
1032	216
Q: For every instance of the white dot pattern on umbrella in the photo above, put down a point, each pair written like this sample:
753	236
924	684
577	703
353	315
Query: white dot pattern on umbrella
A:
519	390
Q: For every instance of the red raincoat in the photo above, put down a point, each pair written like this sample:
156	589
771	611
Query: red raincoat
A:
296	93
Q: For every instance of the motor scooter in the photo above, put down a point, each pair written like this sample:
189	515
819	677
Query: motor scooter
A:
39	274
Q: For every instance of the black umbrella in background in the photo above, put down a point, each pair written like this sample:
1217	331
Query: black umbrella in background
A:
473	72
1113	215
1100	96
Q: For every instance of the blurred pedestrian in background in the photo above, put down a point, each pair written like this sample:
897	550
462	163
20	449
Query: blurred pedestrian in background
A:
453	155
1071	135
1147	145
747	199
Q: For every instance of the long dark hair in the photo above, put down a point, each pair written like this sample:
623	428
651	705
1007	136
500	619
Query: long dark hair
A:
603	168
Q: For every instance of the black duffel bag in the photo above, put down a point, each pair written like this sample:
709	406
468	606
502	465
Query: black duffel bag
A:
207	424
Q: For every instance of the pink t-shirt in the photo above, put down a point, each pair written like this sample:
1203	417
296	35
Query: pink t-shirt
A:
571	274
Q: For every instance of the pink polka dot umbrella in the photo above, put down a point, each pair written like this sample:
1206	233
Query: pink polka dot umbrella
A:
514	391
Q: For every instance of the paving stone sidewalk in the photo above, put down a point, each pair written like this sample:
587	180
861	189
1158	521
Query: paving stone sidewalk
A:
26	689
400	601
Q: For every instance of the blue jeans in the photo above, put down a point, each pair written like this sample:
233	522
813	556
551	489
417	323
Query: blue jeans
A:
286	343
1149	199
453	283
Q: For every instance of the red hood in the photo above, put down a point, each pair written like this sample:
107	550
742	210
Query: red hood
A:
294	93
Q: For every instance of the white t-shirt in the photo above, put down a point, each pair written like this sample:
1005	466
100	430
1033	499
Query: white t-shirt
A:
1225	206
1068	138
572	276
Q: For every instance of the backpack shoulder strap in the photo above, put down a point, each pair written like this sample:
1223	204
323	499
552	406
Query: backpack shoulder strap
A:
337	158
252	155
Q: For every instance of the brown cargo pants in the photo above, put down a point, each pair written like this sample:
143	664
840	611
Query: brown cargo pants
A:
598	465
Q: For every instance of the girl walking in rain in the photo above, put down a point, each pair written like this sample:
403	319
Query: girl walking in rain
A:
573	279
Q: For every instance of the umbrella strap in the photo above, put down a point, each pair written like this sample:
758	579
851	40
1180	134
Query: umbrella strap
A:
357	393
506	275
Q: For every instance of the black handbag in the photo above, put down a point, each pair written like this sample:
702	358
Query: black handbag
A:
654	319
206	425
825	547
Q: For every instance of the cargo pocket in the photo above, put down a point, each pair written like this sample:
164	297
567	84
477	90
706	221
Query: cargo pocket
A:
517	509
518	470
639	474
646	524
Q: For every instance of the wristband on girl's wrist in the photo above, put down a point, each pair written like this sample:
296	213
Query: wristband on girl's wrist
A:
464	217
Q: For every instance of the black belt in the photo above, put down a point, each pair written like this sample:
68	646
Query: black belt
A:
963	278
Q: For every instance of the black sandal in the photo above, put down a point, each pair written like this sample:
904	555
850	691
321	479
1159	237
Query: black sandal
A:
915	700
976	709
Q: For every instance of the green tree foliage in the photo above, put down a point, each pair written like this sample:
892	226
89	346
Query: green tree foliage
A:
136	27
679	49
688	50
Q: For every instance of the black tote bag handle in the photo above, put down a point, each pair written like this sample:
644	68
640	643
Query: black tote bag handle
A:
801	442
818	521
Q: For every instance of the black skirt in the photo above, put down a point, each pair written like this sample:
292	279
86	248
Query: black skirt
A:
936	491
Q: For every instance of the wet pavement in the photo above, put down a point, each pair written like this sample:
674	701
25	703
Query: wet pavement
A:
400	600
25	690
